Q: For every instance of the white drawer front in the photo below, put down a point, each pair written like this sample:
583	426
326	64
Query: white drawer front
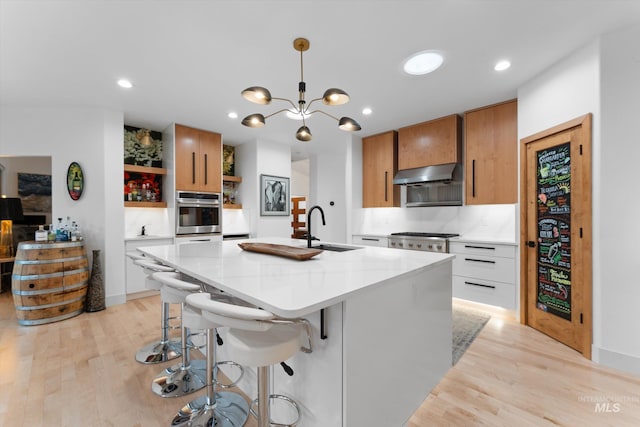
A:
485	267
505	251
370	240
485	291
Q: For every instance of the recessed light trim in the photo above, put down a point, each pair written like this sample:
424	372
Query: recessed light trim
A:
124	83
232	115
502	65
424	62
366	111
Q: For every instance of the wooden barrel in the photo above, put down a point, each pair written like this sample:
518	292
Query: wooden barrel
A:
49	281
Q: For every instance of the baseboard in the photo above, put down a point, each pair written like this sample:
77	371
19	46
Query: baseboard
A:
142	294
115	300
613	359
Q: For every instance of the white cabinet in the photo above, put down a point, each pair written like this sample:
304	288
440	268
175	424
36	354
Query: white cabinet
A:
134	275
370	240
485	272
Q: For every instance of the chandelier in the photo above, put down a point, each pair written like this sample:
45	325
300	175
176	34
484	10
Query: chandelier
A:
333	96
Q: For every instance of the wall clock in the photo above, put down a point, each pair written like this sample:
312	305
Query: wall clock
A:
75	181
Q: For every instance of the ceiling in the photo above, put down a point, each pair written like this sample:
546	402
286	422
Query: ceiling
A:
189	60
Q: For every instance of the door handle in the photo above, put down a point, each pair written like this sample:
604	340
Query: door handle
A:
386	173
205	170
473	178
193	167
531	243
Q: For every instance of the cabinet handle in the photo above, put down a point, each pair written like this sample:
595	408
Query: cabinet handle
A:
473	178
386	174
480	260
193	167
489	248
205	169
480	285
323	325
370	239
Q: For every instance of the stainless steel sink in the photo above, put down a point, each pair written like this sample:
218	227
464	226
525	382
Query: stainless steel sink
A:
334	248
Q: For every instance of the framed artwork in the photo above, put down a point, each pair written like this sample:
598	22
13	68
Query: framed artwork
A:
75	181
274	195
35	192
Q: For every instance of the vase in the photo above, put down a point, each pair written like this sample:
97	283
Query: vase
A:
95	293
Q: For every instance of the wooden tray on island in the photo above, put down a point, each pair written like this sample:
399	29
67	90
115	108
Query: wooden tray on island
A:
293	252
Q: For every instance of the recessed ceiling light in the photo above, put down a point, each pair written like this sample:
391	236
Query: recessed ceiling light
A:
366	111
125	83
423	62
232	115
502	65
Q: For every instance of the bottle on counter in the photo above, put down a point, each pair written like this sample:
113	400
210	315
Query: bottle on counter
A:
41	234
51	235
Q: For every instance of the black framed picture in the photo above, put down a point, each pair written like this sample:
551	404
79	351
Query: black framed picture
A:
274	195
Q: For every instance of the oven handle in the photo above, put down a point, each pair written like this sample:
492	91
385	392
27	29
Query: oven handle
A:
198	204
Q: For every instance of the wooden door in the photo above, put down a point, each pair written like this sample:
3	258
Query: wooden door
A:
186	153
210	162
556	277
491	154
379	165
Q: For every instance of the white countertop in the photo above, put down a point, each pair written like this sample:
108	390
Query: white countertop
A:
291	288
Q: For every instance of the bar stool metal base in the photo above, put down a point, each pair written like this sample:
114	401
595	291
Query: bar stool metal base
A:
159	352
284	398
177	381
229	410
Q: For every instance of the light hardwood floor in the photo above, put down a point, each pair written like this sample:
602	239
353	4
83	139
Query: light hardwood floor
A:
81	372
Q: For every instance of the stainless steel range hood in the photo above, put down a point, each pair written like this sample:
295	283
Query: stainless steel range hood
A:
445	172
439	185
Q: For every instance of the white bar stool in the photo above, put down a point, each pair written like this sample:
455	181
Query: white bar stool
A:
166	349
258	338
188	375
220	409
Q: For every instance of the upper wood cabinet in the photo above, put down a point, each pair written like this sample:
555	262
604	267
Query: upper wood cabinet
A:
491	145
379	165
198	160
430	143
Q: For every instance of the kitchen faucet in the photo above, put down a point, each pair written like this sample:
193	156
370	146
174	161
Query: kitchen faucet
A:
309	237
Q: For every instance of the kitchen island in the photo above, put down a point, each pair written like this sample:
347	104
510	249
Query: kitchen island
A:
387	317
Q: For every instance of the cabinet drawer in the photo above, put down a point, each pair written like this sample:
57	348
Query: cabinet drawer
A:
485	291
494	250
485	267
370	241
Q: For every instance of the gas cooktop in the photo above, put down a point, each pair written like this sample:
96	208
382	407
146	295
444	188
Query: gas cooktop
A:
418	234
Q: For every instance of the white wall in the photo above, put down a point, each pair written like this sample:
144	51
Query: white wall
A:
93	138
618	340
262	157
604	79
300	178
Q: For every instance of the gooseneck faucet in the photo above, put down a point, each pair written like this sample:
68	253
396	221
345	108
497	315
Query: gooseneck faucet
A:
309	237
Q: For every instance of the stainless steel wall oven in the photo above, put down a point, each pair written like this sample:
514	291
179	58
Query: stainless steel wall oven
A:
198	213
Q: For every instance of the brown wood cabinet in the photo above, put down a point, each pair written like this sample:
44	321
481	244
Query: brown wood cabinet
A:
491	146
379	165
198	160
430	143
